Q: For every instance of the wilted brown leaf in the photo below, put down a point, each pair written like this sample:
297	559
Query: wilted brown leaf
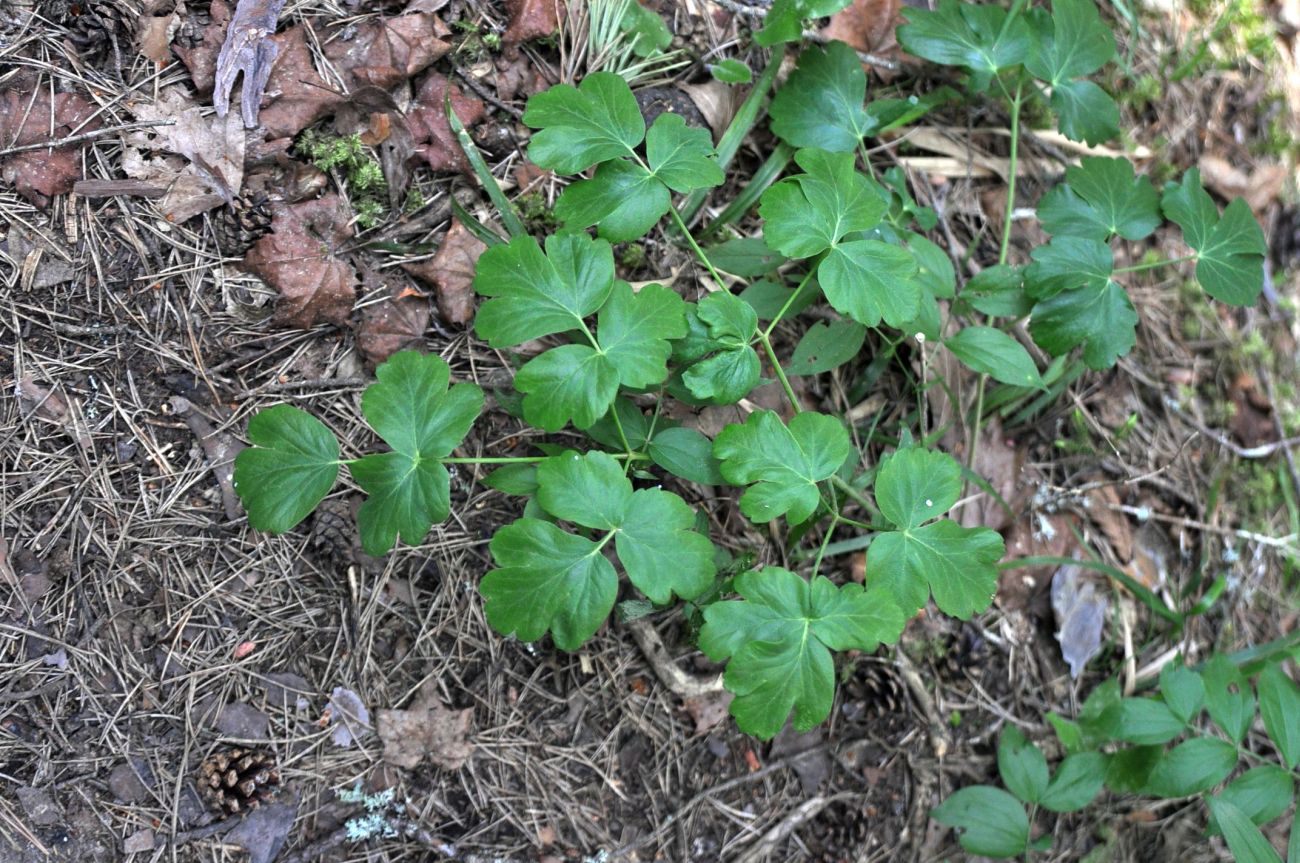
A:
36	117
298	259
385	53
430	130
396	323
154	36
531	19
867	25
427	728
1260	187
296	95
451	273
201	56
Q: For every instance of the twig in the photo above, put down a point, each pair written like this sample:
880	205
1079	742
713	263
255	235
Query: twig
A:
669	673
803	813
1261	451
85	136
937	732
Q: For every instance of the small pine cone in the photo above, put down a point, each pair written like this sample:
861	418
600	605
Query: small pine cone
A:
237	780
879	688
239	226
965	653
95	28
332	531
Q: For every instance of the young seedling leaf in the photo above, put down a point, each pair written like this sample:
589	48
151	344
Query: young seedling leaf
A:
550	579
996	354
731	71
974	36
411	408
1073	43
784	464
1101	319
726	367
534	294
991	822
779	638
1021	765
784	20
580	126
1244	839
827	346
1100	198
955	564
820	104
1229	248
291	466
809	212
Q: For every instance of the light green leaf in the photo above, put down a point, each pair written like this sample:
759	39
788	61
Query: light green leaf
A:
1229	249
571	382
633	331
1183	690
535	295
809	212
956	564
1228	697
779	638
682	158
1279	704
1066	263
991	821
784	464
1191	767
731	71
579	126
731	368
1146	721
411	408
622	197
686	453
1076	782
870	280
1246	843
1261	793
976	37
993	352
1102	320
1075	42
826	346
1101	197
784	20
291	466
820	104
1021	765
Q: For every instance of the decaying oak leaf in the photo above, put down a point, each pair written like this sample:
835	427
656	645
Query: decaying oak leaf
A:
153	35
531	19
426	729
385	53
451	273
296	95
867	25
397	323
35	117
250	50
298	259
430	130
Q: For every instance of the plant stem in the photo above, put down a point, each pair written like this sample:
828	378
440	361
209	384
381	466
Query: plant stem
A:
528	459
699	253
852	492
780	372
618	424
1012	167
790	302
1151	266
826	538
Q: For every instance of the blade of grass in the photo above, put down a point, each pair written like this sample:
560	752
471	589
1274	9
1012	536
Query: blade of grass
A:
1149	599
513	224
765	176
485	234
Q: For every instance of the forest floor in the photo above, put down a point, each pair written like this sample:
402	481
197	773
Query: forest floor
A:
145	626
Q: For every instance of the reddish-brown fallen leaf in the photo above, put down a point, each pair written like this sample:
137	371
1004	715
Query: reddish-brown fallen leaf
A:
867	25
395	324
385	53
430	130
297	259
200	57
296	95
451	273
531	19
154	36
32	118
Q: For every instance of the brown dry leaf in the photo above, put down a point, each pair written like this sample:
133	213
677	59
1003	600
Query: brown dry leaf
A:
154	36
867	25
998	461
430	131
451	273
1260	187
385	53
396	323
296	95
249	50
708	710
298	259
35	117
531	19
201	58
426	729
1153	555
50	404
1102	503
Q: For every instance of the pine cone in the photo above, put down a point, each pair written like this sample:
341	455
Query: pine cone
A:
95	28
332	532
238	779
878	688
965	653
238	227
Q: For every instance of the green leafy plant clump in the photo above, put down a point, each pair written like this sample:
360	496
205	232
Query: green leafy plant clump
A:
612	512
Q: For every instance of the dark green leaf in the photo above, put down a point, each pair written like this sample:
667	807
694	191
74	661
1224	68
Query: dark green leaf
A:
579	126
516	479
809	212
681	157
821	103
1075	42
1067	263
571	382
633	331
1147	721
1279	704
1229	249
1102	320
1022	767
994	353
1191	767
1085	112
1076	782
827	346
976	37
625	199
1228	697
647	31
731	72
1101	197
784	20
991	821
686	453
733	368
779	640
1244	840
1128	770
768	298
1182	690
745	256
291	466
998	290
869	280
1261	793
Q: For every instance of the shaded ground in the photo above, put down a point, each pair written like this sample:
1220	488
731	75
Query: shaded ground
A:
144	626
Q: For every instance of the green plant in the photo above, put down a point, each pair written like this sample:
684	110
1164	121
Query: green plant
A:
833	233
348	159
1154	746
